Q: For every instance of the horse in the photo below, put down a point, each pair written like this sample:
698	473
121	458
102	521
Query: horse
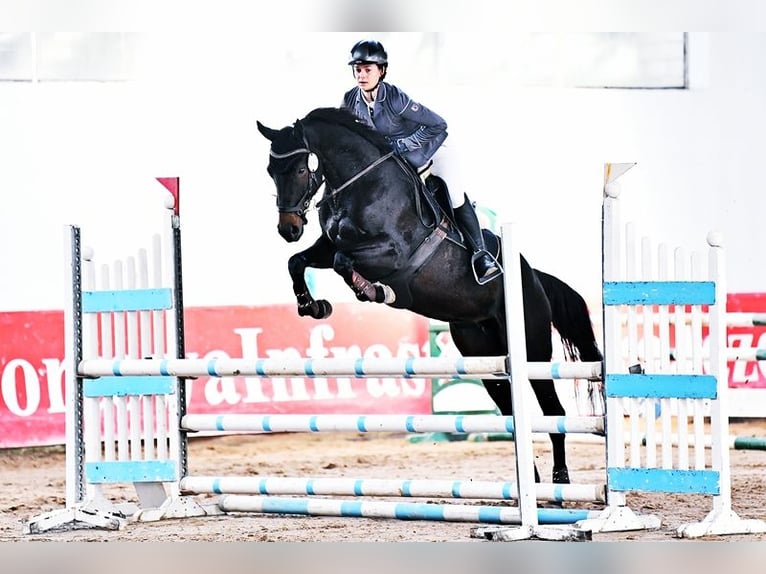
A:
392	243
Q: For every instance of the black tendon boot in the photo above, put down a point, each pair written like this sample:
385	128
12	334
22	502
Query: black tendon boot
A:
485	267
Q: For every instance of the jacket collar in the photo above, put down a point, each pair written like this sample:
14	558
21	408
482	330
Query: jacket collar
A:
382	92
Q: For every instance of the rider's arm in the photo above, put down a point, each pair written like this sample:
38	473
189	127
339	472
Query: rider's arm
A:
431	126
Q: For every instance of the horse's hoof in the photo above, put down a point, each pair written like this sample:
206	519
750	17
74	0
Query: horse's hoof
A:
561	475
325	309
316	309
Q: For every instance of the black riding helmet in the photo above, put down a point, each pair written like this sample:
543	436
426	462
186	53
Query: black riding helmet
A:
369	52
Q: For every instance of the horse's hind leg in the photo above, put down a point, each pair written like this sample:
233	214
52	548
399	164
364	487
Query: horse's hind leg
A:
545	391
537	324
500	393
487	339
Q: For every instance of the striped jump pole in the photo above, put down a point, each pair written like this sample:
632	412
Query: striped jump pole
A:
398	510
404	367
734	442
744	319
412	488
733	319
745	354
385	423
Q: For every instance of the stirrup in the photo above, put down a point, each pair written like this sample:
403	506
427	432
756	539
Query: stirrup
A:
486	278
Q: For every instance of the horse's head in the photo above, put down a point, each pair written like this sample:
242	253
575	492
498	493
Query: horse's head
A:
297	175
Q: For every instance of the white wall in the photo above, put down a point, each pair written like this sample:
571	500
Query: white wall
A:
88	153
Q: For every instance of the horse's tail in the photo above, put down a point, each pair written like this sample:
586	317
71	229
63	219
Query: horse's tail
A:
571	319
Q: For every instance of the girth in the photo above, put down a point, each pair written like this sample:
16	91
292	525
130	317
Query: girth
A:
400	280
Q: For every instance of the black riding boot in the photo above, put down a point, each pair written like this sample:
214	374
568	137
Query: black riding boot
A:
484	266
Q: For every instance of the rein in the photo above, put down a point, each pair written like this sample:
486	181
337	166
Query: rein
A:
359	175
301	206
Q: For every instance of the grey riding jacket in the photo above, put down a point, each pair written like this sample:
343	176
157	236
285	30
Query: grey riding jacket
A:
415	131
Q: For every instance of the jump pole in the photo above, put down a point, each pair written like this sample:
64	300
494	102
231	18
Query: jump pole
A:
386	423
412	488
406	367
401	510
733	319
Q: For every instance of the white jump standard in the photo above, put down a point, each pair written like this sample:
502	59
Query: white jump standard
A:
681	391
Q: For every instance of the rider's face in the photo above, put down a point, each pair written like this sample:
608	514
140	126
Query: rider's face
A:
367	75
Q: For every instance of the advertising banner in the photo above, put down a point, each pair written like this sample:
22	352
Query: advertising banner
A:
32	378
747	374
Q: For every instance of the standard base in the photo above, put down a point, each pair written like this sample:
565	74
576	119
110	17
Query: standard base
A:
76	518
619	519
538	532
176	507
720	523
107	516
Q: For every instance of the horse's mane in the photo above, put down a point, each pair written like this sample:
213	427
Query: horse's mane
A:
348	119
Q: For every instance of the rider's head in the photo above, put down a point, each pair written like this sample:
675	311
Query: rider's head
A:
369	63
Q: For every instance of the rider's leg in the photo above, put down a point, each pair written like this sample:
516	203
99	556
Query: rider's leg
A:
465	216
446	164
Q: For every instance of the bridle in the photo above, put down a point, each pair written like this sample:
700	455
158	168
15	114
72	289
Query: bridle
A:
314	183
301	206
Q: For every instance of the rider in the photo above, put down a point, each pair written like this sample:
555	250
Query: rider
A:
416	133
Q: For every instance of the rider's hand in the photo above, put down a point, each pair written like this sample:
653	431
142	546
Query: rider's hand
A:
398	147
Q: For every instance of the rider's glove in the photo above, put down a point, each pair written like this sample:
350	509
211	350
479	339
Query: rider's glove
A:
398	147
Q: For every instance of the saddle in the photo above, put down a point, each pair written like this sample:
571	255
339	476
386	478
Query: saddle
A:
436	193
435	212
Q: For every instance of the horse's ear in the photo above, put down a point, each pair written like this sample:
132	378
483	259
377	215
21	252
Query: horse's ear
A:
298	129
268	133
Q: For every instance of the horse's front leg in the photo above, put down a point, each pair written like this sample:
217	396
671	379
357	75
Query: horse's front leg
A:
364	289
319	256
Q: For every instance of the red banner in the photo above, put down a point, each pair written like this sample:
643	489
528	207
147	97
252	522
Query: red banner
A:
354	331
31	372
32	380
750	374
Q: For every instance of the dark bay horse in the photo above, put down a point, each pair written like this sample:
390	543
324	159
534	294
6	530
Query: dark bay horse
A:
392	245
